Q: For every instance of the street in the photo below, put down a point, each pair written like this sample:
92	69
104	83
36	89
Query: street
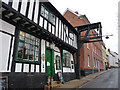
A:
106	80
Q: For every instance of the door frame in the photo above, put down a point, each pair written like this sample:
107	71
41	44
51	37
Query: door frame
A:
52	61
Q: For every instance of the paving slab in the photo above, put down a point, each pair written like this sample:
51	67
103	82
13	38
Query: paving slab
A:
79	82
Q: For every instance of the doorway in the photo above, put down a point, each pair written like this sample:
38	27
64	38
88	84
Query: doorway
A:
49	62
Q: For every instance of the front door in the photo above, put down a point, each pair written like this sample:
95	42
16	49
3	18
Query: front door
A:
49	62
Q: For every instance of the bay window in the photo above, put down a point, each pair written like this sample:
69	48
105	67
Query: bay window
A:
28	48
66	59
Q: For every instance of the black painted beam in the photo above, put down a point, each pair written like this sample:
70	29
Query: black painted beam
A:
93	41
90	38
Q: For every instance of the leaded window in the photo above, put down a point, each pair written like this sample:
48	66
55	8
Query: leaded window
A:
66	58
28	48
58	64
47	14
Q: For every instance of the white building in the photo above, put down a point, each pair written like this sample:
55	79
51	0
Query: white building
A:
113	63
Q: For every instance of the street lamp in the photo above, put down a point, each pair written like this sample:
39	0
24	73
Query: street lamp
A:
107	36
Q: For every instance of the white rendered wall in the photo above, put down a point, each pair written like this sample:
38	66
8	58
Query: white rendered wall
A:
5	45
43	53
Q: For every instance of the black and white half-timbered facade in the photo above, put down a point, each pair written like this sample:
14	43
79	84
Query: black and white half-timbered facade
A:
36	42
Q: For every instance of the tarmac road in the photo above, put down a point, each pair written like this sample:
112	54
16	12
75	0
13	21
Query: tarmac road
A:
106	80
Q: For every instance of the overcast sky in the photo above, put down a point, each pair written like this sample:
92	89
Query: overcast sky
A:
104	11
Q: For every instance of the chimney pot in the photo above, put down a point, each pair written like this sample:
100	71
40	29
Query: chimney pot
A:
76	12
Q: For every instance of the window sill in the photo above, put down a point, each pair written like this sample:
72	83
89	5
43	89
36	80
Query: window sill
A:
88	48
67	66
88	66
28	62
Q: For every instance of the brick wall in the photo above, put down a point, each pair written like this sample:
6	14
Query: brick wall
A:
84	51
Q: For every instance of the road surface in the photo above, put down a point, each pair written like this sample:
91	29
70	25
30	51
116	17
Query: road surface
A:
106	80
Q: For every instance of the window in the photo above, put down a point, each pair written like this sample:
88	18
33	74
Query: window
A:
58	64
66	58
96	62
95	48
71	34
88	61
88	45
47	14
28	48
92	47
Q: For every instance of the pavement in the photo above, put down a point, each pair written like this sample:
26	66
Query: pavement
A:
106	80
78	83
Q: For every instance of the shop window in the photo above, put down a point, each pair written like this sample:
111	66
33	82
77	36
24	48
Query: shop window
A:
58	64
28	48
47	14
66	58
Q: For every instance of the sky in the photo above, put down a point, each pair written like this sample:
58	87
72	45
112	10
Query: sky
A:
104	11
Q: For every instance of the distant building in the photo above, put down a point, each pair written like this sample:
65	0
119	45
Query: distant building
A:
107	63
104	54
90	53
113	59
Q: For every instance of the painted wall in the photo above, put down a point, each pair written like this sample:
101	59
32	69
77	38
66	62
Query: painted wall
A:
86	49
60	31
5	40
113	59
104	56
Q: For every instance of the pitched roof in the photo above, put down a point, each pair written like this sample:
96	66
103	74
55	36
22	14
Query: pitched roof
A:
78	15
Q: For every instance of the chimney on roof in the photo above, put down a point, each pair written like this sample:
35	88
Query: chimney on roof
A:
76	12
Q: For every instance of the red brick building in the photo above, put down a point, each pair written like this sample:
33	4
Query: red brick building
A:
90	53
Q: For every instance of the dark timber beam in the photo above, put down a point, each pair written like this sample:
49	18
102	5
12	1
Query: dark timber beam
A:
85	39
93	41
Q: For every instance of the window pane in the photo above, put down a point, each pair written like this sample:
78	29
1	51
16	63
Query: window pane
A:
33	38
36	56
26	54
37	48
46	14
32	47
42	10
27	40
31	55
21	44
66	58
21	37
37	39
27	46
27	35
19	53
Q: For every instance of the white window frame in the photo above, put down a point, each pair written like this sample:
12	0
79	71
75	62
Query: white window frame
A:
88	45
96	62
88	61
95	48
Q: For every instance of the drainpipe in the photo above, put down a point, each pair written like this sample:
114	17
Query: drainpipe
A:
92	58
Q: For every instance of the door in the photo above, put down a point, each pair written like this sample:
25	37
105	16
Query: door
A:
49	62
